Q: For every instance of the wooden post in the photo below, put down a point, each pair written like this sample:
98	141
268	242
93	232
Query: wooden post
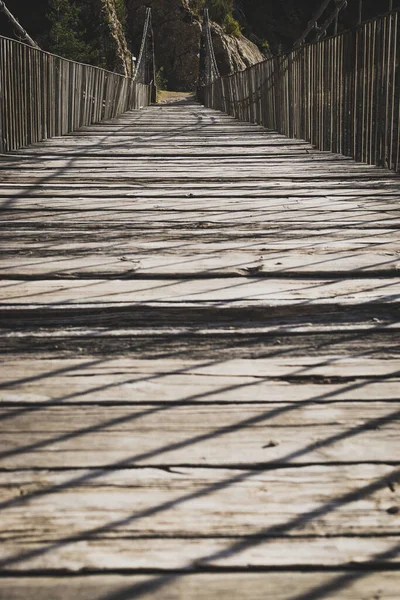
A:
360	8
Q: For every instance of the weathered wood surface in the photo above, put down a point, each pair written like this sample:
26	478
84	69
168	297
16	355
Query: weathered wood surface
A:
218	264
271	292
200	365
130	381
143	505
194	434
341	585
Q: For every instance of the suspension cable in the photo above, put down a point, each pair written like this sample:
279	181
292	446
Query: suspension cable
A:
209	71
213	61
145	67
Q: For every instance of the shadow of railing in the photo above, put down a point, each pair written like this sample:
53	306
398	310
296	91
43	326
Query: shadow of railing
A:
241	545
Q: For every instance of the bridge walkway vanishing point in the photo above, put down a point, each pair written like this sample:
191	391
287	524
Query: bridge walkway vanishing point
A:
200	370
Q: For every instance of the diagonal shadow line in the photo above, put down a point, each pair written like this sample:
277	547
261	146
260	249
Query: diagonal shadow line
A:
239	194
191	369
294	234
343	581
98	144
49	374
312	346
246	475
247	282
44	180
325	590
93	131
185	401
220	216
273	531
177	203
151	411
73	157
100	388
161	286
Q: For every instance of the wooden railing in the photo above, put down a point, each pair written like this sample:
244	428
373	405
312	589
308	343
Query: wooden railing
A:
341	94
43	95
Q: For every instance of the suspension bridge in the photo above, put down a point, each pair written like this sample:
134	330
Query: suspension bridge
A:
199	308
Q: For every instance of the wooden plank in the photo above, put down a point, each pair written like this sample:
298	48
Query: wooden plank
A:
330	366
136	511
231	289
169	388
345	500
37	209
148	344
192	265
95	380
386	218
188	432
343	585
199	243
181	175
81	240
376	186
162	554
131	201
92	164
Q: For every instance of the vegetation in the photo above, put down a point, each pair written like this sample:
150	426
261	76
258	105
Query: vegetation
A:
78	29
66	35
161	80
222	12
231	26
120	8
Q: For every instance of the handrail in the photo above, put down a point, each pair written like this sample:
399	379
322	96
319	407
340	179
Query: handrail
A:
14	21
43	95
342	93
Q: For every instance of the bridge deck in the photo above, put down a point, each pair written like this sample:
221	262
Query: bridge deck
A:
200	366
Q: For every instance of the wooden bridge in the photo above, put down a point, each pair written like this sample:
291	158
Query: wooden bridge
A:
200	368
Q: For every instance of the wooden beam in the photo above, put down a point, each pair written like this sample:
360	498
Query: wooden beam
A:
14	21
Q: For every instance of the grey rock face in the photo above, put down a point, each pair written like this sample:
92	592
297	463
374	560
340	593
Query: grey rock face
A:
177	31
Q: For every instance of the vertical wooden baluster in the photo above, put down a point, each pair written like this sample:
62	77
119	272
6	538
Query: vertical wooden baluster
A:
388	98
395	85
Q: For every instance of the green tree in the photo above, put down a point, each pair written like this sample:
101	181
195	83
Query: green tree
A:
66	31
220	9
120	8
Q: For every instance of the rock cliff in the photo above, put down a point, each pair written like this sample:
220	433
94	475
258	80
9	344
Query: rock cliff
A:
232	53
123	57
103	25
177	30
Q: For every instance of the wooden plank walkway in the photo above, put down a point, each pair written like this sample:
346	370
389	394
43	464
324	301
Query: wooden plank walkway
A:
200	366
